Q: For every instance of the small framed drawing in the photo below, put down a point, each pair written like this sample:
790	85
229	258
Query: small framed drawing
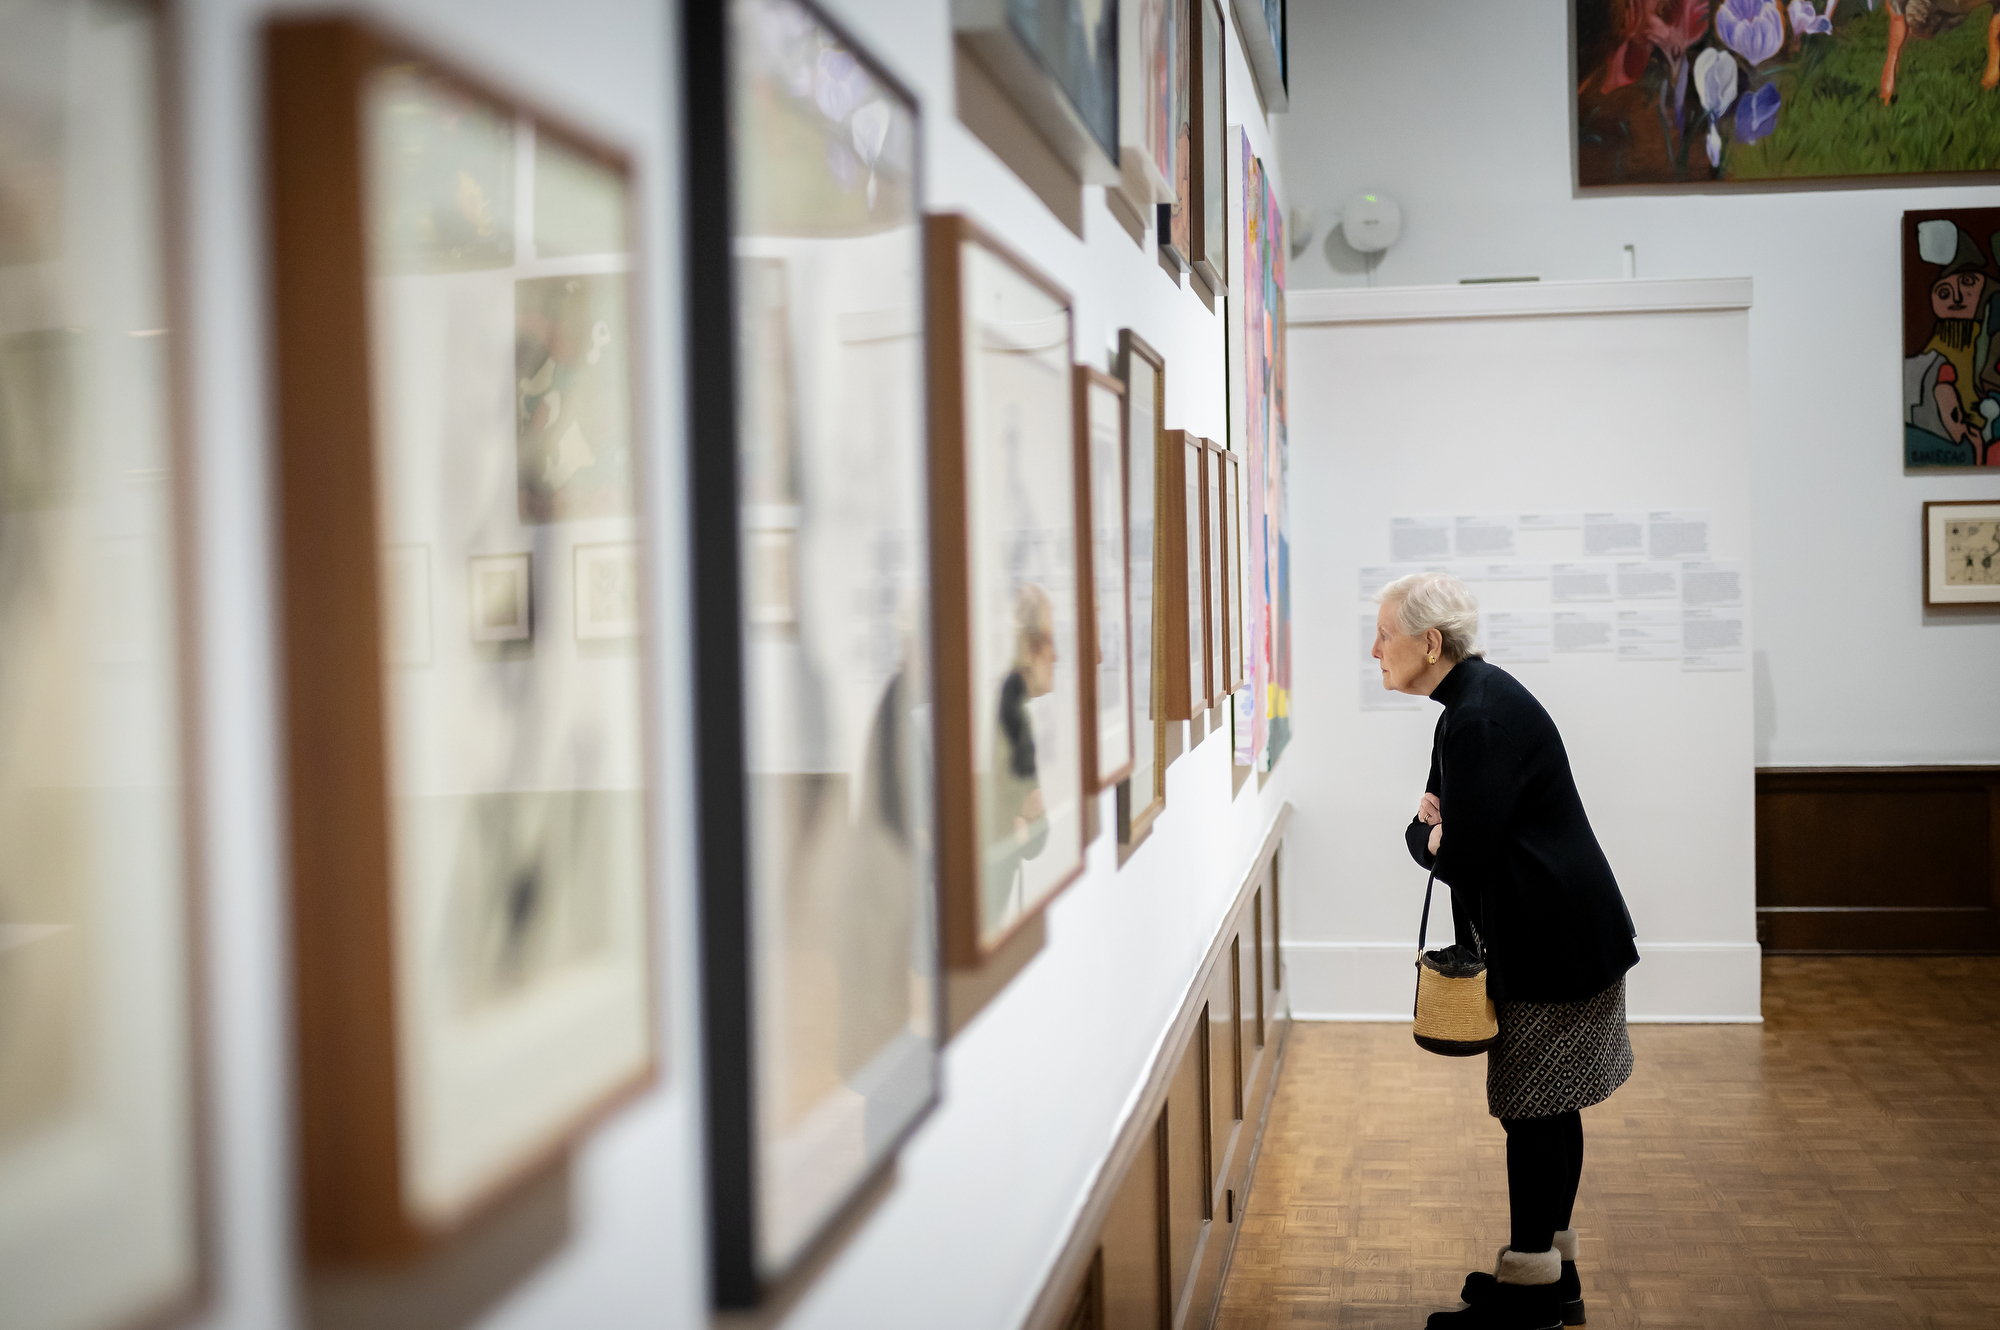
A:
1215	574
1261	27
1144	793
1183	597
102	1160
1106	608
1962	552
607	592
812	628
1207	178
471	937
500	591
1146	36
1232	555
1004	533
1057	60
1174	215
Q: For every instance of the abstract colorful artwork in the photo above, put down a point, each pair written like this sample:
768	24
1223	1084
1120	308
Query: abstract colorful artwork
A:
1672	91
1951	358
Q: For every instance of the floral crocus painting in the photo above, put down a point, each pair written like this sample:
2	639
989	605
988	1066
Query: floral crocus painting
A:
1673	91
1951	338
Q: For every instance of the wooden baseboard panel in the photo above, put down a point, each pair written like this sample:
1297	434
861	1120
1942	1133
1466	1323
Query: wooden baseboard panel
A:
1152	1241
1882	860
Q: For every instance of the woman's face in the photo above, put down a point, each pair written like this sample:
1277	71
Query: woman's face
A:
1403	658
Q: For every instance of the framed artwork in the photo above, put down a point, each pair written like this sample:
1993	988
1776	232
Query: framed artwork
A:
1951	358
1175	217
501	600
471	932
1058	61
1004	534
1962	553
1106	602
1183	594
1232	555
1207	186
1215	569
1755	90
813	623
101	1160
1144	793
1261	27
1146	36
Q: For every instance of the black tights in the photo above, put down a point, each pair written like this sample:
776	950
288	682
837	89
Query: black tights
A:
1544	1161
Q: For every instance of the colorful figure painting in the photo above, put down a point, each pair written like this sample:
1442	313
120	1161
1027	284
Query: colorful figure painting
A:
1951	357
1265	442
1672	91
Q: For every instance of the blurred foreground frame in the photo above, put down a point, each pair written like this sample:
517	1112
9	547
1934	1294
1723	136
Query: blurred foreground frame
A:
368	1170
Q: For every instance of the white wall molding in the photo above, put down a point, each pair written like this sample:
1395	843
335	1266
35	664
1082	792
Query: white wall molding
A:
1675	982
1513	300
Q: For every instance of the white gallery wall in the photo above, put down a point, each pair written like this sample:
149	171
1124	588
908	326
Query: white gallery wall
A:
1034	1088
1571	402
1462	113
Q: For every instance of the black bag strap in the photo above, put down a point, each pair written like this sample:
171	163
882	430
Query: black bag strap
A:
1424	926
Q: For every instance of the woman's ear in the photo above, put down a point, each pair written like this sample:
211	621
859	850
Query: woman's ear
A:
1433	645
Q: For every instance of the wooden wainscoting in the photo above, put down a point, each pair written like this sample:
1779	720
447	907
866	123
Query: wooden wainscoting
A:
1154	1237
1878	859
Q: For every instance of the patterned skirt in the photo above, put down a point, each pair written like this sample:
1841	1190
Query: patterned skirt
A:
1556	1057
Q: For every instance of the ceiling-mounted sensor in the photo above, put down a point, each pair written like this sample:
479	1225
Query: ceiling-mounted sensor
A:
1371	223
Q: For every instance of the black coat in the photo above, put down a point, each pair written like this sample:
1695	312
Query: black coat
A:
1518	851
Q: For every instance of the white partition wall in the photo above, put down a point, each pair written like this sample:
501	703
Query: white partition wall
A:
1627	402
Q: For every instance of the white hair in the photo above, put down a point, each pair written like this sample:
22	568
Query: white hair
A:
1425	601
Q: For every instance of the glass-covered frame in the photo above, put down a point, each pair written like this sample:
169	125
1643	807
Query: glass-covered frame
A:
1104	588
812	641
1143	794
455	366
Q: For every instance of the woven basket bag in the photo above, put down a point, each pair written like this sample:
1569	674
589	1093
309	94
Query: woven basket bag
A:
1454	1015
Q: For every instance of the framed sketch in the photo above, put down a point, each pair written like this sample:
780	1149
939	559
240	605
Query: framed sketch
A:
1106	607
101	1177
1175	217
1215	570
471	935
1183	594
1207	173
606	591
1058	61
813	630
1144	793
1004	534
1261	27
1232	556
1962	553
501	597
1146	37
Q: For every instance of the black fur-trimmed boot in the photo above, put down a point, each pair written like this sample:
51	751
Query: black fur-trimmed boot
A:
1522	1296
1569	1289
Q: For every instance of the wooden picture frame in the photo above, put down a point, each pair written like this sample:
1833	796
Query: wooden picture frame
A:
1173	218
1003	522
1961	552
1232	554
822	1006
106	1185
1208	173
1183	580
1143	370
1215	574
1262	27
1103	584
471	936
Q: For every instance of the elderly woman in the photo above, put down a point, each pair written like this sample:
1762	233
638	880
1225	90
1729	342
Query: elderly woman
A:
1501	822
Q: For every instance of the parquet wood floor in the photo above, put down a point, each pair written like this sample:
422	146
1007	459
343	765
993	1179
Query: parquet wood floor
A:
1838	1166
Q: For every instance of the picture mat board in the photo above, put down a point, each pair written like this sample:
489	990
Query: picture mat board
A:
101	1179
469	896
1107	607
823	1000
1003	467
1144	374
1962	553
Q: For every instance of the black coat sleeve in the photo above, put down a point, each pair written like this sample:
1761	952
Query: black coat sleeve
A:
1483	779
1418	834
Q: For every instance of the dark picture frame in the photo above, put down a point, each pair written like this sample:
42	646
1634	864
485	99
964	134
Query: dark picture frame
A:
1945	531
1104	581
378	1187
1182	584
1006	813
1208	171
1143	794
795	558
